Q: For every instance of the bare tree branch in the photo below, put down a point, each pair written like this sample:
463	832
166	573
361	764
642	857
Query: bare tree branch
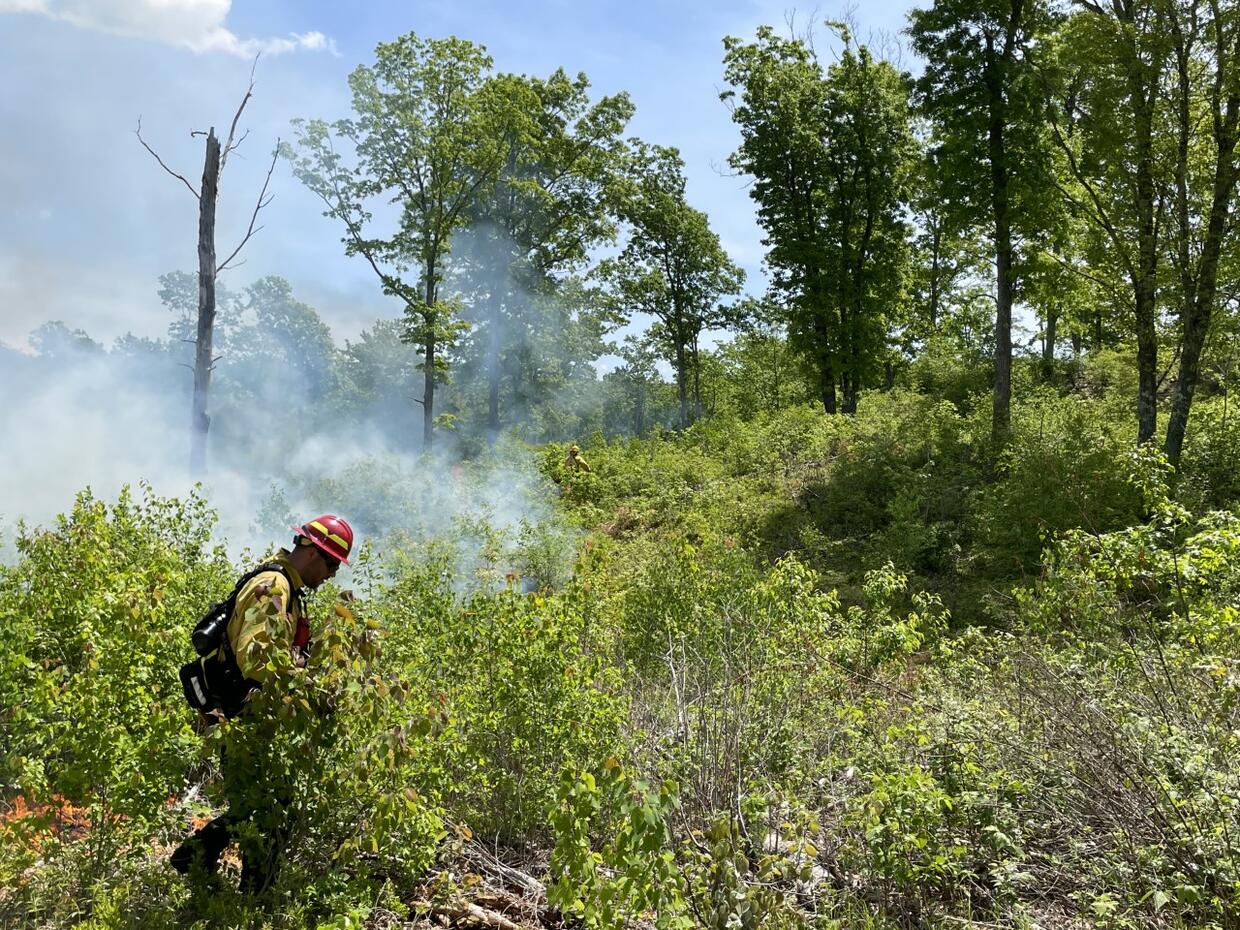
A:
262	201
232	130
138	132
245	135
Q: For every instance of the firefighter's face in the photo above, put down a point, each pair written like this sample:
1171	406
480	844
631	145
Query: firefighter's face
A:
321	568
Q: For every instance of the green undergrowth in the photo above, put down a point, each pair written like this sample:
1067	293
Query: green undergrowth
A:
792	672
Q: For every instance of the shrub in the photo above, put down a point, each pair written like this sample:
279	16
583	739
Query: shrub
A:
524	687
1068	466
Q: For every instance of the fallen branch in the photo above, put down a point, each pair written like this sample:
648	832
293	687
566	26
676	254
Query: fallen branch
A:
471	914
489	863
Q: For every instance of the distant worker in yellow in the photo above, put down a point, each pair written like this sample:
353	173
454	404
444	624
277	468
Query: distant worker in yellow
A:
575	463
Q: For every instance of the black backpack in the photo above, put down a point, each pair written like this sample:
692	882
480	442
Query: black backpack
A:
213	681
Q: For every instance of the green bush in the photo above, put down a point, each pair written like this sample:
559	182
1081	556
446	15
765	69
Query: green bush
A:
1068	466
524	689
94	621
1209	478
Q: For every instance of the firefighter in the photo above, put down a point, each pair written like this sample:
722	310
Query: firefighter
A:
575	463
256	801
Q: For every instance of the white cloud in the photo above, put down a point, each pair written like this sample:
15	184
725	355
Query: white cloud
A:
197	25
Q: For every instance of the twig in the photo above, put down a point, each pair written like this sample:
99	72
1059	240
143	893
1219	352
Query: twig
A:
262	201
523	880
232	130
471	913
138	132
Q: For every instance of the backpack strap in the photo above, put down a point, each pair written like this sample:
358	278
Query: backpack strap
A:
226	649
227	684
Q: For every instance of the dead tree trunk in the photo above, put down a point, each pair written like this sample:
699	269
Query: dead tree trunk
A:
209	269
200	420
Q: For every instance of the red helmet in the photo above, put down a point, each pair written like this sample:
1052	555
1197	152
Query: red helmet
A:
331	534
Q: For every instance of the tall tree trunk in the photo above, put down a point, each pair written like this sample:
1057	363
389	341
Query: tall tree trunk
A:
1141	93
1196	326
200	422
826	386
1197	312
428	384
1147	378
1200	289
849	389
697	383
428	394
493	370
1049	336
1001	420
935	254
682	386
826	370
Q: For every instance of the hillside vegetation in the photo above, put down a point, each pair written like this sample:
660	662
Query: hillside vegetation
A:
799	670
910	600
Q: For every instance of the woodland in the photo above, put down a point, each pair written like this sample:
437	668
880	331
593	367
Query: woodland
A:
905	594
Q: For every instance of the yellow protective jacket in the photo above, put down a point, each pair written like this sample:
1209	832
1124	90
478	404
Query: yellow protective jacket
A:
269	614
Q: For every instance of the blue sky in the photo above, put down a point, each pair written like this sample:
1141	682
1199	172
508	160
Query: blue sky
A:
88	221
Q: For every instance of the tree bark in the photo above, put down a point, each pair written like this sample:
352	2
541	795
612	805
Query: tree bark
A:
1197	312
428	386
682	386
1049	336
849	390
996	87
1000	207
200	422
826	370
1199	289
1144	286
697	383
428	395
493	371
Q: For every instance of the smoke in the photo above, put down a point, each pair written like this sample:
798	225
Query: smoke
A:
536	337
300	427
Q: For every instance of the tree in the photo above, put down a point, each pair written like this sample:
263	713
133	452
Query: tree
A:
758	365
981	92
277	332
551	336
546	212
382	369
672	266
54	340
944	252
635	378
830	154
208	269
1205	91
1110	96
431	133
